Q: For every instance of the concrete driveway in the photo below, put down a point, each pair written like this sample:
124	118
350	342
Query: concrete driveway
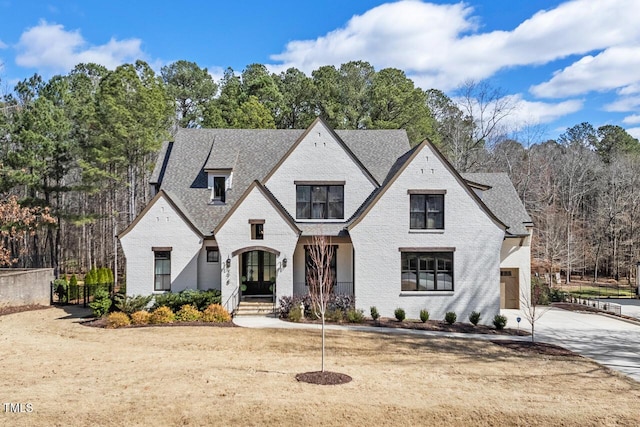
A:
611	342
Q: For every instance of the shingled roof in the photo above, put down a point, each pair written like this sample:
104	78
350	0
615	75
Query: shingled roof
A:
503	200
251	154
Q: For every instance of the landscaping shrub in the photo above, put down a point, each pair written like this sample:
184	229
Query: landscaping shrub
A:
333	315
295	314
188	313
73	281
499	321
199	299
374	313
141	317
424	315
101	302
474	317
450	317
162	315
286	303
355	316
556	295
341	302
130	305
216	313
118	319
400	314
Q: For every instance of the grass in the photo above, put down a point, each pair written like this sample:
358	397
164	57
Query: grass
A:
599	291
76	375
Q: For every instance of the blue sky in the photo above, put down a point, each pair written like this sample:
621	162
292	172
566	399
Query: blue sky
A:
560	62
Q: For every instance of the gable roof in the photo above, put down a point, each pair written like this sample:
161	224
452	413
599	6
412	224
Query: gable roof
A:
270	198
501	197
252	154
396	170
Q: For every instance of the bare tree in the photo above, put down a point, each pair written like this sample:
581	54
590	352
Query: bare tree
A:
320	278
531	308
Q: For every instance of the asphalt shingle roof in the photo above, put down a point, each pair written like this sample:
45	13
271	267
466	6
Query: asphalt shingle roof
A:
503	200
251	154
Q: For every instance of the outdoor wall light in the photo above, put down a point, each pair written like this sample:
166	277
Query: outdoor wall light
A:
284	262
228	262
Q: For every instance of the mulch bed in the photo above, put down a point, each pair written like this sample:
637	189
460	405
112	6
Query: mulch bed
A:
323	378
19	309
575	307
102	323
431	325
535	348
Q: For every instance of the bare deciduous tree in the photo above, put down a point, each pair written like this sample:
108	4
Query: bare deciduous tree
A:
531	309
320	279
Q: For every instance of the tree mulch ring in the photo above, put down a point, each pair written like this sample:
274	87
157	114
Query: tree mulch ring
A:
535	348
323	378
21	308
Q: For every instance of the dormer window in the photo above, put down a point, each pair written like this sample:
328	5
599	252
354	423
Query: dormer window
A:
322	200
219	183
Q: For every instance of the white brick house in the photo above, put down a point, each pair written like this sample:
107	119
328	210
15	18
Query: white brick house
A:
234	210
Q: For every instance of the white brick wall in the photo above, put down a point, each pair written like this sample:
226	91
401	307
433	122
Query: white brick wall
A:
208	272
235	234
477	240
161	226
319	157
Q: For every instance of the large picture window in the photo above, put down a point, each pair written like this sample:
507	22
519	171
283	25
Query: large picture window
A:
427	271
310	267
162	271
426	211
320	202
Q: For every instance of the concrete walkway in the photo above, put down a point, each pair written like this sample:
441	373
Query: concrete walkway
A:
609	341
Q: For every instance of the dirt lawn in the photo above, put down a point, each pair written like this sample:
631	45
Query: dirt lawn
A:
71	374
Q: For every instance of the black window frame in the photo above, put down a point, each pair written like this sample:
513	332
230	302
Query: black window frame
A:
418	267
219	193
309	265
257	231
319	201
422	208
164	278
213	255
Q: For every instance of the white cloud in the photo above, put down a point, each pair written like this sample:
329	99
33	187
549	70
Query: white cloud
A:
536	112
633	119
441	45
3	45
613	68
634	132
52	48
624	104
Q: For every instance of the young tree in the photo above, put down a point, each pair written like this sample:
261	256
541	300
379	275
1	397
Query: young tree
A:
320	279
531	308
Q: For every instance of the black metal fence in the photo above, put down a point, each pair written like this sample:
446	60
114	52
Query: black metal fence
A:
77	294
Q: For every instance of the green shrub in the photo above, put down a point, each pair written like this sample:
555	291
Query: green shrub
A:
140	317
334	315
73	281
199	299
295	314
474	317
130	305
450	317
374	313
216	313
499	321
60	287
355	316
424	315
400	314
118	319
101	302
188	313
162	315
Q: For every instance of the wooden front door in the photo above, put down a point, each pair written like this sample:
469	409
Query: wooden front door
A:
258	273
509	288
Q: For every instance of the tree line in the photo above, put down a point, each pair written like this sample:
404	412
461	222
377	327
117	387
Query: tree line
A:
77	150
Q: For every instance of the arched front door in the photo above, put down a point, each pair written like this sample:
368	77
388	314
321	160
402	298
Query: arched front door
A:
258	273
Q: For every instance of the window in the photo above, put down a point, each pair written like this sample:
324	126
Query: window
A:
426	212
218	189
213	255
427	271
162	271
257	231
320	202
309	266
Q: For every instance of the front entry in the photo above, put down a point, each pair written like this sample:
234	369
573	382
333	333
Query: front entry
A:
258	273
509	288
